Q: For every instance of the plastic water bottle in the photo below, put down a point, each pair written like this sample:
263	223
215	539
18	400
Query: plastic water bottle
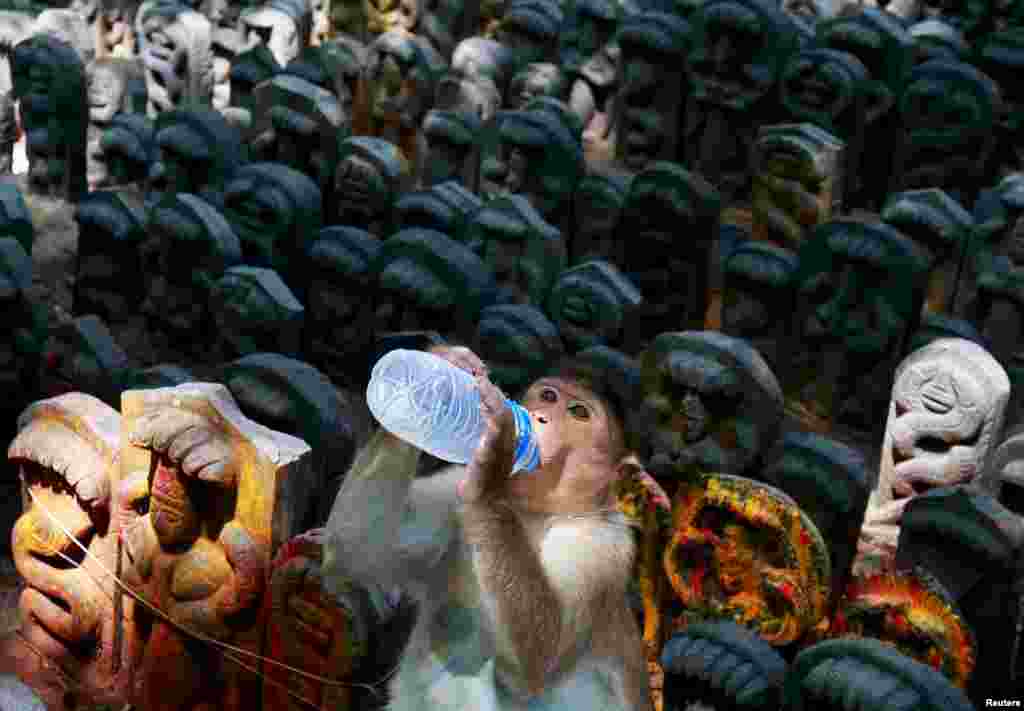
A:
435	406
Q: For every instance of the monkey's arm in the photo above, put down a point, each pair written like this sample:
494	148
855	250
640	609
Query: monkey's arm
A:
385	529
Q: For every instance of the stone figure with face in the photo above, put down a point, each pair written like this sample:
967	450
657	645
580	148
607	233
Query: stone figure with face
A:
283	25
941	227
300	125
127	150
651	88
335	66
340	301
759	295
255	311
534	80
597	206
592	304
402	72
1004	477
452	139
829	88
970	545
714	663
293	397
798	182
190	246
949	113
50	84
196	152
945	417
590	58
110	82
176	46
446	207
476	80
108	280
738	50
69	27
8	131
223	493
743	551
529	29
275	211
851	324
717	403
856	669
667	204
523	252
425	281
372	174
936	39
248	69
516	341
66	452
830	482
1002	58
537	156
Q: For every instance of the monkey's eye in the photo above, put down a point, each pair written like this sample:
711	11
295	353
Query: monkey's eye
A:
549	395
579	411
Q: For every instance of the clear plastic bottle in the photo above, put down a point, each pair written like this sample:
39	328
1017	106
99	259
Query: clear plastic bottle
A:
435	406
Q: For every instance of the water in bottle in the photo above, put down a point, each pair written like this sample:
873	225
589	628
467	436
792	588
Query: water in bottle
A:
435	406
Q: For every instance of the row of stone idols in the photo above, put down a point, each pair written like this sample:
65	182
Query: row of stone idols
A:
192	495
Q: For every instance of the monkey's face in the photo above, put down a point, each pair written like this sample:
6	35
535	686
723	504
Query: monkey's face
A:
579	440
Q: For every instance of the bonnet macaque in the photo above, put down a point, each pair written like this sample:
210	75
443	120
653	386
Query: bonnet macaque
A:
521	581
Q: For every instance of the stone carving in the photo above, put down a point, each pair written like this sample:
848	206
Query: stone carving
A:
452	148
22	348
8	132
66	452
108	276
176	47
709	661
255	311
275	211
718	406
941	227
1005	476
372	174
341	302
115	86
882	44
190	246
869	672
597	207
945	418
971	545
427	281
1001	57
223	494
299	125
590	59
50	85
335	66
911	611
311	630
949	112
15	26
83	356
798	182
652	89
934	326
402	72
667	204
15	218
285	26
517	341
293	397
591	303
936	39
831	484
69	27
480	70
248	70
743	551
535	80
444	23
852	322
523	252
197	152
759	295
127	149
348	21
529	29
113	27
446	207
739	48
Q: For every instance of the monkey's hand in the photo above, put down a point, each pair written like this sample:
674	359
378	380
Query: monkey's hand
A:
494	458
